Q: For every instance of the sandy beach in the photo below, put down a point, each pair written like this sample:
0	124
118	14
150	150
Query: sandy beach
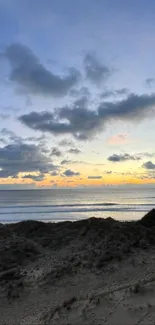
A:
95	271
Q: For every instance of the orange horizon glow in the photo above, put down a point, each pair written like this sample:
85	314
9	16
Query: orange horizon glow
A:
62	182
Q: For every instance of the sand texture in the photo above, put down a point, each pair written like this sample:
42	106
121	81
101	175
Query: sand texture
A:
93	271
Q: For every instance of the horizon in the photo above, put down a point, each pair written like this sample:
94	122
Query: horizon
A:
20	187
77	94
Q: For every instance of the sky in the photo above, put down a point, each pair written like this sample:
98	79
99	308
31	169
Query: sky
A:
77	85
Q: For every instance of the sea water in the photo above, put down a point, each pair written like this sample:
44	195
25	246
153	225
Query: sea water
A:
119	202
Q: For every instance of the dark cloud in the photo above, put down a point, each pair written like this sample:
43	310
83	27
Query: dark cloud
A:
123	157
126	156
21	158
83	123
66	143
80	122
56	152
29	73
94	177
149	165
81	162
36	178
108	172
70	173
95	71
75	151
130	108
149	81
66	162
54	173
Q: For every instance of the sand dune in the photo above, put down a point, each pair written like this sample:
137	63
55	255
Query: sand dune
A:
93	271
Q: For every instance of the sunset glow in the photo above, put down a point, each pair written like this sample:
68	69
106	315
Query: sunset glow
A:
77	95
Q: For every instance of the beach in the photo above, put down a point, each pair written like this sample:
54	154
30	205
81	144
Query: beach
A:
92	271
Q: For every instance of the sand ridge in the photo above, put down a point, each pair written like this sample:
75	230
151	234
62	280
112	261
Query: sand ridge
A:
93	271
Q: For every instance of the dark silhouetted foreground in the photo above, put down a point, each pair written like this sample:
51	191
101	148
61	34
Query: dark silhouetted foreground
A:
44	261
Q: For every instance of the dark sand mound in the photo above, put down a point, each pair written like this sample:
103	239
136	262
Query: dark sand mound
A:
39	259
149	219
90	243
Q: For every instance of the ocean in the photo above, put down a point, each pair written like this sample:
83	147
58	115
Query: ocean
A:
121	203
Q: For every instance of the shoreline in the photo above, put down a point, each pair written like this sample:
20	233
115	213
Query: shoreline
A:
65	272
121	216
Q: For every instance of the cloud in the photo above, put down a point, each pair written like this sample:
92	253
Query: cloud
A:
123	91
9	136
66	162
83	123
22	158
83	91
148	176
56	152
95	71
147	154
114	93
123	157
149	81
80	162
119	139
107	93
54	173
28	72
47	122
70	173
126	156
75	151
36	178
149	165
94	177
66	143
132	107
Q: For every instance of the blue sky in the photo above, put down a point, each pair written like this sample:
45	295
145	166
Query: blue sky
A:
90	66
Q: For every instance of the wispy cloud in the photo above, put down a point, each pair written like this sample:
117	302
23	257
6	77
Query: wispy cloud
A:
95	71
